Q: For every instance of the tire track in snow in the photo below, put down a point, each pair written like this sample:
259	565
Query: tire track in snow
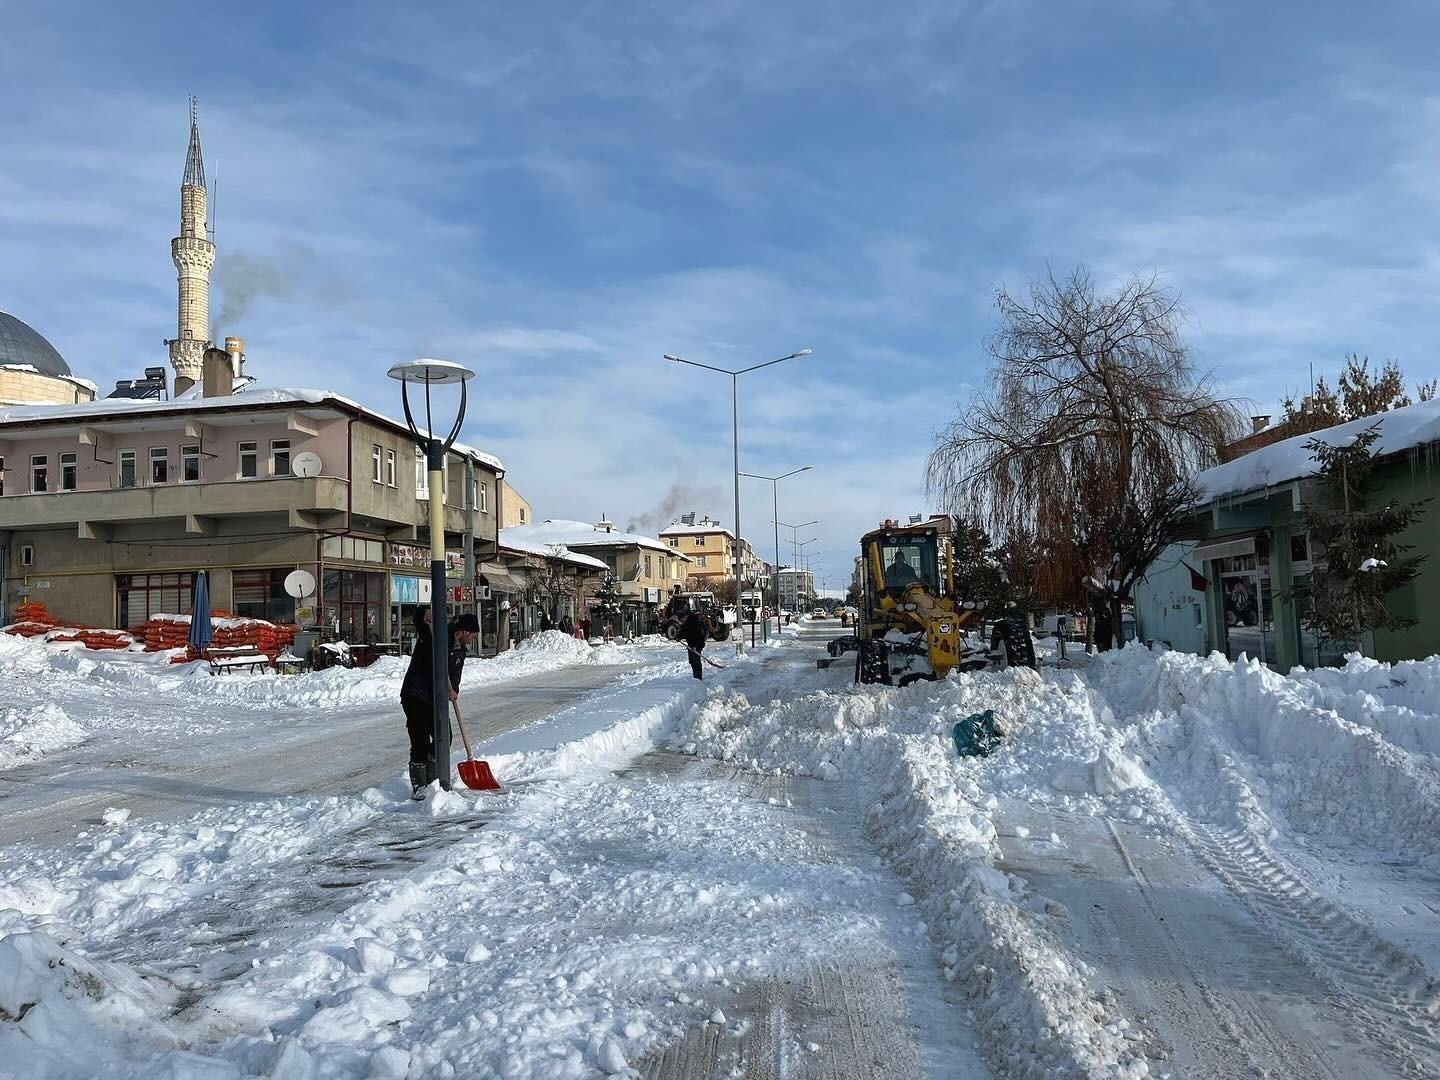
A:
1388	993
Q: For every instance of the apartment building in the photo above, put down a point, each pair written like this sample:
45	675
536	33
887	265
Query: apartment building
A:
108	508
797	588
710	547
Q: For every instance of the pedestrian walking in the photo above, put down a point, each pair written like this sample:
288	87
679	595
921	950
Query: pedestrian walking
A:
695	632
417	698
545	623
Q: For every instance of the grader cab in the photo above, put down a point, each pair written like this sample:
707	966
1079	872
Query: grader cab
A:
911	622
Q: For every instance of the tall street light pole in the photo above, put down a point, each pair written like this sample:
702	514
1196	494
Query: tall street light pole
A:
794	535
775	508
735	434
436	373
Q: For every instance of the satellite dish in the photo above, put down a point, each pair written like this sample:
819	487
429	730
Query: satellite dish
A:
306	464
300	583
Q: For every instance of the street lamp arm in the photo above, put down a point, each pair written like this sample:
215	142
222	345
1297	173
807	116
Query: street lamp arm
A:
696	363
771	363
459	419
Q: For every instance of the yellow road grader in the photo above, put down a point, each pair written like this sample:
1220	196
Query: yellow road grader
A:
911	622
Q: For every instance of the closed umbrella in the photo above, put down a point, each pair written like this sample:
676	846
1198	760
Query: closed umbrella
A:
201	630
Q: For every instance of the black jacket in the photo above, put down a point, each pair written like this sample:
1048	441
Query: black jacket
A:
418	679
695	631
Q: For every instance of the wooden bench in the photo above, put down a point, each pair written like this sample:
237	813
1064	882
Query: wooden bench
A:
240	658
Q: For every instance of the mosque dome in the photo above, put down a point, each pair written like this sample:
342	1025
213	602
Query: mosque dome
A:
22	345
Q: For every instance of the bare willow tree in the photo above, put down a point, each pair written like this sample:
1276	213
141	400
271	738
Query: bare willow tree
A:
1086	434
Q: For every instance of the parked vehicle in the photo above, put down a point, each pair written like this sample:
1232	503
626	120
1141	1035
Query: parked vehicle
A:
680	606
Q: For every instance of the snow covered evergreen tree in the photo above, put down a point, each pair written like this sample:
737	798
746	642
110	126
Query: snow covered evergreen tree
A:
1363	563
605	602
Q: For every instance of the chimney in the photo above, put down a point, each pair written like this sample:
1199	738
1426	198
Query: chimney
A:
218	376
182	383
605	525
1259	424
236	348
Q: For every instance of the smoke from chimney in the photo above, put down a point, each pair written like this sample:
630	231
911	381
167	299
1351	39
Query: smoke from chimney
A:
679	497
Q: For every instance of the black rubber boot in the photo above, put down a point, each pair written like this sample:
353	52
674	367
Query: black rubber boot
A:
418	781
432	771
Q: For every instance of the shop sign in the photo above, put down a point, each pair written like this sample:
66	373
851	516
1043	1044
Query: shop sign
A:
409	555
404	590
419	557
652	596
461	594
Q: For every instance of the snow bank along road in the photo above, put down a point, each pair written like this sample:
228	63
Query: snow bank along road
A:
1173	866
158	742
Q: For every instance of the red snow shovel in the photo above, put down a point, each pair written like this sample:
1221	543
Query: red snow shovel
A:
702	656
475	775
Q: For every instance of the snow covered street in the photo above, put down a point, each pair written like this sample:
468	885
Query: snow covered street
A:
1171	866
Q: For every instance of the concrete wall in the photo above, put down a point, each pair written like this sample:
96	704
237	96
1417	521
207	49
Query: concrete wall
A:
33	388
75	578
1167	609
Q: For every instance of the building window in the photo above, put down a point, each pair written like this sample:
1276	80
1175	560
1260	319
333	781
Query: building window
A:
125	476
189	464
375	459
649	568
27	555
390	468
522	515
699	541
699	560
39	473
67	470
674	541
249	460
260	594
279	457
2	476
159	466
422	477
484	501
141	596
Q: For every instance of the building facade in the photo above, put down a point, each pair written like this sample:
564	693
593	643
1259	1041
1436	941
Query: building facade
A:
646	570
797	589
514	508
1250	551
109	508
710	547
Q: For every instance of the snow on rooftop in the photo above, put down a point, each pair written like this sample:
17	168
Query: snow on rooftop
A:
252	394
676	528
1400	429
549	551
575	534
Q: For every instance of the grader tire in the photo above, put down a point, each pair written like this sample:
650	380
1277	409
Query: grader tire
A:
672	631
1012	646
872	665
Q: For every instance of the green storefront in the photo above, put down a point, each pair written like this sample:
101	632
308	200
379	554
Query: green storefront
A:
1252	547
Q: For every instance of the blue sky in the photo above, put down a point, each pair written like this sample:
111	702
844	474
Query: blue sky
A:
557	194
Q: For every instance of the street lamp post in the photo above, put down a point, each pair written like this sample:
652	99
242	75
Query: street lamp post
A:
434	447
794	535
775	509
735	434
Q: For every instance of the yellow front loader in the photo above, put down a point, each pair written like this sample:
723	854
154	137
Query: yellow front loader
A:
910	621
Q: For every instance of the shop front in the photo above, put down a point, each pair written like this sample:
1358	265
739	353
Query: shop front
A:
407	593
354	593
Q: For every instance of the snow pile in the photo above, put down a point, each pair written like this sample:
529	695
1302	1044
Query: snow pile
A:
934	818
29	732
1240	744
64	1015
333	688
